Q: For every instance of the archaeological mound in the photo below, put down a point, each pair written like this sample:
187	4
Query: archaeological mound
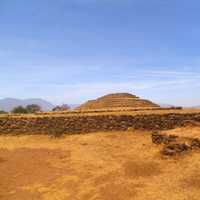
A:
117	101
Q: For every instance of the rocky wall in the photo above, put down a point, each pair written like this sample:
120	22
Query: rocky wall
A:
87	124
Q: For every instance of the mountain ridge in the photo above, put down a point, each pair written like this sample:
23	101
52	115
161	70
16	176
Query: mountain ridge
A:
7	104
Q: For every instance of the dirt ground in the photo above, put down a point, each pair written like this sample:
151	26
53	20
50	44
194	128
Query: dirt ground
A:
98	166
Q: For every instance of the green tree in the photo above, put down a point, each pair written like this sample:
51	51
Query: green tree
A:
63	107
19	110
33	108
3	112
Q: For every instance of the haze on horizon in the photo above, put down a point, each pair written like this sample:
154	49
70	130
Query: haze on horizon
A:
73	50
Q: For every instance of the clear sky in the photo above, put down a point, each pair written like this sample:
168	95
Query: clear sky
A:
68	51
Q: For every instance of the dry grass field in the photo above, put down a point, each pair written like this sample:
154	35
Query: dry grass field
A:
116	111
96	166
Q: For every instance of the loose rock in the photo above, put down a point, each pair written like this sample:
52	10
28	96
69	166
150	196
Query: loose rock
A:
158	138
195	143
174	149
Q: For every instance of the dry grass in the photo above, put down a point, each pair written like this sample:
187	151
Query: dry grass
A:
100	166
188	132
116	111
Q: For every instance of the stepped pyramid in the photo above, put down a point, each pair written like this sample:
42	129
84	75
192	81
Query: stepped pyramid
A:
117	100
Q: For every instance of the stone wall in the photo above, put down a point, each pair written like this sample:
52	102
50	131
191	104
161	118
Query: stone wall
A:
86	124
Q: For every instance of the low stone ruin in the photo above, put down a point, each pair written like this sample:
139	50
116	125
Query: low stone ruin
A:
163	139
174	149
48	124
195	143
174	145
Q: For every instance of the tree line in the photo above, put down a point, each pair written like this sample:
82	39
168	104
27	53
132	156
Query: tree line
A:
34	108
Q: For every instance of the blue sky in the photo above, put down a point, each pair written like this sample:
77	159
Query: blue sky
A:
68	51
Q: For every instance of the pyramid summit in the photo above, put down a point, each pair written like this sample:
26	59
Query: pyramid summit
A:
117	100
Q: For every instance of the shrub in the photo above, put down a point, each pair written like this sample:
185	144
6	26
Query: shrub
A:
63	107
33	108
3	112
19	110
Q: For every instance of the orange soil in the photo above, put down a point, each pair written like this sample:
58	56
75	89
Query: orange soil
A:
99	166
188	132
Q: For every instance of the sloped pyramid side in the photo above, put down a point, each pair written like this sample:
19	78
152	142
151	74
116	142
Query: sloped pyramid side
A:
118	100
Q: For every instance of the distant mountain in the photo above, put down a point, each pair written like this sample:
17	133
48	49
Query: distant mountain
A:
73	106
8	104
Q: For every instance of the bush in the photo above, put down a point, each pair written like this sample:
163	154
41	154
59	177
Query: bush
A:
33	108
63	107
3	112
19	110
